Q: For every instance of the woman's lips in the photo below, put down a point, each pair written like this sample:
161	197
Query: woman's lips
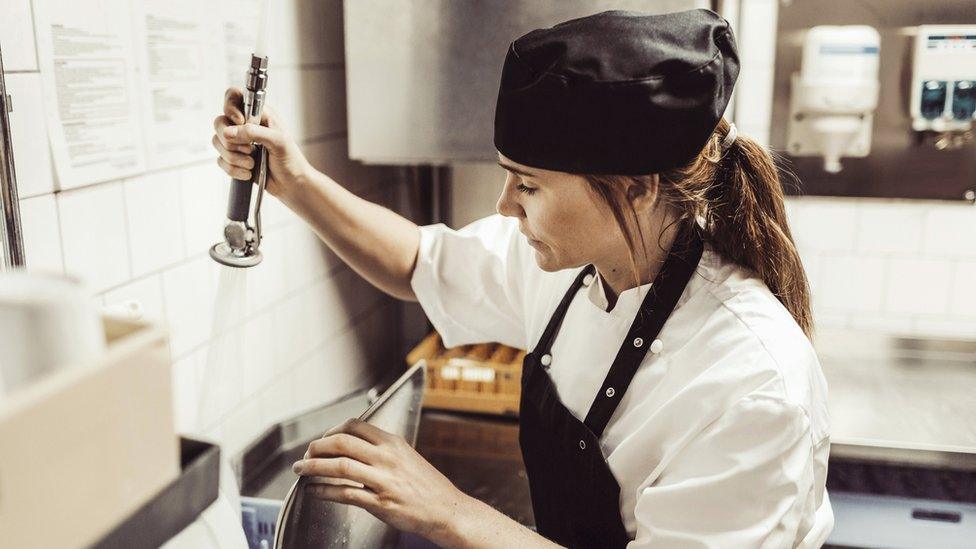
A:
532	242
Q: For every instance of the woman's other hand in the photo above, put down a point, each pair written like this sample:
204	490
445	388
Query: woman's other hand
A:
287	167
381	473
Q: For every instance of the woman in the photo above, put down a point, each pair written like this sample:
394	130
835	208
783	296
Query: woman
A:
671	397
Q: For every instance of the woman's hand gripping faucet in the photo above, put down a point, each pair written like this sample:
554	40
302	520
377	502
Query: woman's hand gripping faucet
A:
287	167
380	245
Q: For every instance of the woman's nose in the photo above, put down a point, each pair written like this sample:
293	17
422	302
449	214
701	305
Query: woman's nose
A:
507	205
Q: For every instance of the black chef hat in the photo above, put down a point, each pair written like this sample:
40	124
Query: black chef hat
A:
617	92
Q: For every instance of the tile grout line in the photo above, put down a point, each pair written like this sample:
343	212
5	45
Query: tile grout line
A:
311	140
127	229
328	275
292	367
190	257
353	322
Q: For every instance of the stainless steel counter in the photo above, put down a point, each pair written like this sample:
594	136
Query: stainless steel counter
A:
890	399
902	469
898	393
903	418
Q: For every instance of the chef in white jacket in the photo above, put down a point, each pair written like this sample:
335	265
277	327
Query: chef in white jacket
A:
671	396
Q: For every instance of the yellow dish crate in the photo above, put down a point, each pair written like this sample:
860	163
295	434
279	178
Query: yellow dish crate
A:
484	378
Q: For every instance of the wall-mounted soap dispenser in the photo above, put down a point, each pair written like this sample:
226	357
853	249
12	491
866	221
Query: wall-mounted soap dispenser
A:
943	97
835	93
903	162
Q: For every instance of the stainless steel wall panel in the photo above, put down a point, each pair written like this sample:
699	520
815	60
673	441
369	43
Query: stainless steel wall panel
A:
902	163
422	75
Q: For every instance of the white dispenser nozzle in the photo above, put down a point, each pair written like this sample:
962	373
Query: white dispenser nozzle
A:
834	136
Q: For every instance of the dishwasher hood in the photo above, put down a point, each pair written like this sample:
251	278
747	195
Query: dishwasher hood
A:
422	75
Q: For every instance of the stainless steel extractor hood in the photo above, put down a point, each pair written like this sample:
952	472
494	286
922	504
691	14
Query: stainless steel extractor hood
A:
422	75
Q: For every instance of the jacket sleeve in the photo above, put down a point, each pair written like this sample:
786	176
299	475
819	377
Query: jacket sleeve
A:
471	282
746	480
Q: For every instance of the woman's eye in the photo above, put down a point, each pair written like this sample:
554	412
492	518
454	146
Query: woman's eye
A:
523	189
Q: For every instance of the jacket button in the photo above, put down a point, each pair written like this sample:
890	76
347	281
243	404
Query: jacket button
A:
582	444
638	341
546	359
587	280
656	346
610	391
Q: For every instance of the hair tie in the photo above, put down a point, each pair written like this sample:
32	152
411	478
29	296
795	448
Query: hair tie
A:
729	137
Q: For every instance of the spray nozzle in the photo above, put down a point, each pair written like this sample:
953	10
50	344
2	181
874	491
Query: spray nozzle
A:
240	247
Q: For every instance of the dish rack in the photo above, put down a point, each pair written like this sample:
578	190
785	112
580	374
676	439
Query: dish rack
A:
484	378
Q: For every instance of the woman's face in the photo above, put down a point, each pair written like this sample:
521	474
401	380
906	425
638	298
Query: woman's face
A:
566	223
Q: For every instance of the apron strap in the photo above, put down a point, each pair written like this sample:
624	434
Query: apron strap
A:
545	342
657	306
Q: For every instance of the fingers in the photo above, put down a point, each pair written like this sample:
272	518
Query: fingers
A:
363	430
234	158
235	135
342	444
234	109
269	118
233	139
234	105
352	495
252	133
236	173
339	467
219	124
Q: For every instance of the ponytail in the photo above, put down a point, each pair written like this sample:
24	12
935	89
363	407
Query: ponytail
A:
746	223
737	190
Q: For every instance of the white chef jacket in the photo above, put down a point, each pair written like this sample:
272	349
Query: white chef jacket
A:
721	440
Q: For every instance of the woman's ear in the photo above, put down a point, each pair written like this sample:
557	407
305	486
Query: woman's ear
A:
642	192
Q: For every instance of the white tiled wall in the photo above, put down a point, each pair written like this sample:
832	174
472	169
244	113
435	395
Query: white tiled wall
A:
895	266
28	133
250	346
16	31
892	266
94	236
42	232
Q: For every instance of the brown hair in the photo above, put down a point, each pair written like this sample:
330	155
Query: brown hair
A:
737	191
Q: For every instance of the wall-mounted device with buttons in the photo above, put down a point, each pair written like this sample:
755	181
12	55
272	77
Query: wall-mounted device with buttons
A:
943	97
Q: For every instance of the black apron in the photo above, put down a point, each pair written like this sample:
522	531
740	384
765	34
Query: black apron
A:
575	497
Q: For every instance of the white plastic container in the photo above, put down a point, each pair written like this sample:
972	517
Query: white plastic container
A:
84	446
46	323
834	95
